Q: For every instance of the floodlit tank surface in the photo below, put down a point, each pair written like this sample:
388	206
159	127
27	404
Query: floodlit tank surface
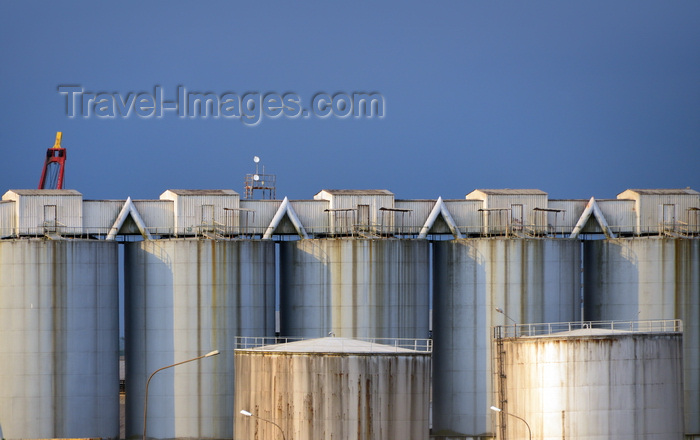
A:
368	288
530	280
332	388
591	384
183	299
650	278
59	339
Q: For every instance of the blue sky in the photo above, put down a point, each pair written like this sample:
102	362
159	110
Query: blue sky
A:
578	99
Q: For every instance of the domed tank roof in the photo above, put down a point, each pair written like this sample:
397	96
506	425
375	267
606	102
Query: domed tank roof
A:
334	345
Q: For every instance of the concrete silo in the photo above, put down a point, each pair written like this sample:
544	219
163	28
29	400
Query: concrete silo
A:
531	280
592	383
354	288
650	278
333	388
184	298
59	339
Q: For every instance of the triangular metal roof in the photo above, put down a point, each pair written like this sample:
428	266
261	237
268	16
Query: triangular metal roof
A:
128	210
285	209
440	209
592	208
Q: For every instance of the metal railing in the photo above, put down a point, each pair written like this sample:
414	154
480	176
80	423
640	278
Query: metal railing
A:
398	344
584	328
215	230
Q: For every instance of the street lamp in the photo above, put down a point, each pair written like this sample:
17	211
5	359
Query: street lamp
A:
145	398
500	310
249	414
494	408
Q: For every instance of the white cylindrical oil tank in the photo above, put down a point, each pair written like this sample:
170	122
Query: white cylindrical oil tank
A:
59	339
370	288
530	280
333	388
592	384
650	278
183	299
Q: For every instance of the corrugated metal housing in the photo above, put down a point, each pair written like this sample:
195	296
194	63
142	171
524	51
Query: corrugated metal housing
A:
40	211
7	218
357	210
661	210
256	215
158	215
198	211
509	210
99	215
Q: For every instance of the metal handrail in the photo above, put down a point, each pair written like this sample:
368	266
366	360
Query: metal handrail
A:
549	328
420	345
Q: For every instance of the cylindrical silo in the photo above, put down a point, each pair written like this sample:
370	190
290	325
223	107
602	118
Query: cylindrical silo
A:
650	278
592	383
185	298
354	288
530	280
59	339
333	388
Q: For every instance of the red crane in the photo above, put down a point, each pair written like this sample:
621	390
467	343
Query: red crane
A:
52	174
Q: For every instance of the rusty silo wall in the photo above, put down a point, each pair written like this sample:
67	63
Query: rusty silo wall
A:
346	396
532	280
184	298
650	278
615	386
354	288
59	339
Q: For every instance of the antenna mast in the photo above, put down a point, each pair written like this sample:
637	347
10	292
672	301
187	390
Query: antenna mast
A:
261	182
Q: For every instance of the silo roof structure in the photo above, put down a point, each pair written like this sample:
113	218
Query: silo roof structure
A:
341	345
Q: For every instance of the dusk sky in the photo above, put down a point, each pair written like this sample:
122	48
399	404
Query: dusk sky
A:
577	99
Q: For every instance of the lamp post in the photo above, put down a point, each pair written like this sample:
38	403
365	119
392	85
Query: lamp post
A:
145	398
494	408
249	414
500	310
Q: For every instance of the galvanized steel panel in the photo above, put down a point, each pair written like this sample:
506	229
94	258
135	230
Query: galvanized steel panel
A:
8	215
185	298
99	215
354	288
311	214
650	278
531	280
622	387
158	215
651	218
509	210
466	214
377	396
59	333
199	210
419	210
264	210
66	216
566	220
373	200
620	215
